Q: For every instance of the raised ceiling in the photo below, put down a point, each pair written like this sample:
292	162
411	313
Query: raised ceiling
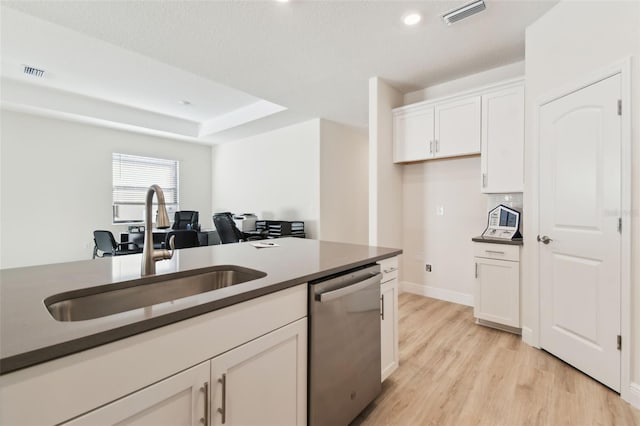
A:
286	62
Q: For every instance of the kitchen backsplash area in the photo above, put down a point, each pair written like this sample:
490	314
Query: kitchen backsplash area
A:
513	200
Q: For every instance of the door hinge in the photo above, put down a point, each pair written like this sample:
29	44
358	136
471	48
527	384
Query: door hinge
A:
619	342
619	106
620	225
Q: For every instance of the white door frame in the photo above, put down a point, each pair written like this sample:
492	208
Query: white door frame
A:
622	67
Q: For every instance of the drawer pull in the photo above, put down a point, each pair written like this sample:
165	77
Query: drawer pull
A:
494	251
388	271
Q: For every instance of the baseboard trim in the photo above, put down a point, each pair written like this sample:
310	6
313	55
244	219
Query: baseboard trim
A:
633	396
437	293
527	337
500	327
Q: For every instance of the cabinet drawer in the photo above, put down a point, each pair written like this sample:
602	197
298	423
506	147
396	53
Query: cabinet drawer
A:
389	269
497	251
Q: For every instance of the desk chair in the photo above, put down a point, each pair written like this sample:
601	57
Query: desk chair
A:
106	245
185	219
229	232
183	239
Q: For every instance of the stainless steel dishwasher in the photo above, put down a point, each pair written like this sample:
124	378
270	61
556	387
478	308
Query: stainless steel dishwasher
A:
344	345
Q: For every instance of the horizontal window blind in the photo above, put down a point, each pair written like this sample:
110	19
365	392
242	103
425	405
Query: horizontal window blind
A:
132	176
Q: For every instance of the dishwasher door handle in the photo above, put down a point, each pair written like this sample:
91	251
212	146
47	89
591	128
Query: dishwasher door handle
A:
349	289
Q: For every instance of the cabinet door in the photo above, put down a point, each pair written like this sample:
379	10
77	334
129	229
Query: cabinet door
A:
457	127
389	327
263	382
413	134
497	291
503	140
180	400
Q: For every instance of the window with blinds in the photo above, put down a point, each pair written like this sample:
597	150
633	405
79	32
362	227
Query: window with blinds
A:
132	176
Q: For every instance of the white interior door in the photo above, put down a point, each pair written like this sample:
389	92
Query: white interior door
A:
580	143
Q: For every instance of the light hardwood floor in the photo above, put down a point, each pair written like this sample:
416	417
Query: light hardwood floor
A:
454	372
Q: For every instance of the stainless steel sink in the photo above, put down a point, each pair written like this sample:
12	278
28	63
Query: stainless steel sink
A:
101	301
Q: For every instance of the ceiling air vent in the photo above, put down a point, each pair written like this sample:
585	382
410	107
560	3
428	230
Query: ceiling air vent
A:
464	11
33	71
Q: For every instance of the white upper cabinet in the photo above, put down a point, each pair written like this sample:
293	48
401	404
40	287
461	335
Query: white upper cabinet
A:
488	120
413	134
436	130
457	127
503	140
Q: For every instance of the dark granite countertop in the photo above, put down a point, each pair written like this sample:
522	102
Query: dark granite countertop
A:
497	241
29	335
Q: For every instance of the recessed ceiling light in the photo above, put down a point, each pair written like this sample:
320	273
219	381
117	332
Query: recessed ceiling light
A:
185	103
412	19
282	1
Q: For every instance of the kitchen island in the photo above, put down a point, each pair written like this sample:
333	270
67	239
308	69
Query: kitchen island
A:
121	353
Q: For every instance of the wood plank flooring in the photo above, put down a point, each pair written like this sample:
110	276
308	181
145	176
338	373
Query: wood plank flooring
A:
454	372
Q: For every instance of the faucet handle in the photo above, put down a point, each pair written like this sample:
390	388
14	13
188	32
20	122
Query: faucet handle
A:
164	253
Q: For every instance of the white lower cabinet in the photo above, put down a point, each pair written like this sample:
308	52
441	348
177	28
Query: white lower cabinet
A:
497	288
390	357
263	382
179	400
169	375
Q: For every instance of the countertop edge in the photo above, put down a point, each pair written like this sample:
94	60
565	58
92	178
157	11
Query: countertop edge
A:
497	241
49	353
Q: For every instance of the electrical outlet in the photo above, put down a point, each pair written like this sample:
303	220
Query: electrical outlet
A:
427	267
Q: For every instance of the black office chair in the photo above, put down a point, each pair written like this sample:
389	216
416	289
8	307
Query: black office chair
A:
228	232
185	219
106	245
183	239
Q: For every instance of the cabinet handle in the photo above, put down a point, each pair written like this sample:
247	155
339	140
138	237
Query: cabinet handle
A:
205	389
484	180
430	147
494	251
382	310
223	409
476	269
437	145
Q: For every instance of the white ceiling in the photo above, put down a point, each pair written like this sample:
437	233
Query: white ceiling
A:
233	60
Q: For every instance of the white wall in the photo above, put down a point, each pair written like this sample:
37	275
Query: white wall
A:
444	241
275	175
575	39
385	178
344	198
314	171
56	184
469	82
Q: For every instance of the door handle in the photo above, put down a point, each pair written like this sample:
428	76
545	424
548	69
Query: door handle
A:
544	239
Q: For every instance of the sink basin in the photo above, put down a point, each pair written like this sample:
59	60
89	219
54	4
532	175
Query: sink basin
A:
101	301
